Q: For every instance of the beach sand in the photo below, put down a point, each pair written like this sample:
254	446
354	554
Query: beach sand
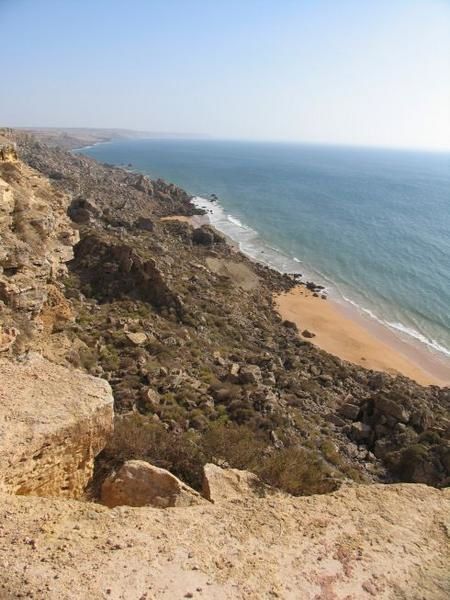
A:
351	340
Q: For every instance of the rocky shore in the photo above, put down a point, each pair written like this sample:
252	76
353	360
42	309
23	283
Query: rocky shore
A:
98	284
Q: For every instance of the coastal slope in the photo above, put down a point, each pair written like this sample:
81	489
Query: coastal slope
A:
185	329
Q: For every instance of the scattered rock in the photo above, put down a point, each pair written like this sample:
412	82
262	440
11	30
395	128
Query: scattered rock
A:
308	334
351	411
250	374
391	408
137	338
360	432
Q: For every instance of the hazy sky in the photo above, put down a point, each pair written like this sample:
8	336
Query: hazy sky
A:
371	72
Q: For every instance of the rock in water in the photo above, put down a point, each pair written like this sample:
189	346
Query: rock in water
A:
138	483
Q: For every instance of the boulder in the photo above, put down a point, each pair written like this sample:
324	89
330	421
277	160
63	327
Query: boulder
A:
308	334
207	236
350	411
53	422
138	483
360	432
290	325
145	224
221	485
390	408
250	374
137	338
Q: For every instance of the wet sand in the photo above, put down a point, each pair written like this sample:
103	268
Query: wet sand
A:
350	338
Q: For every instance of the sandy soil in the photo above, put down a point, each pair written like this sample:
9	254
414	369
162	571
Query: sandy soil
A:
348	339
384	542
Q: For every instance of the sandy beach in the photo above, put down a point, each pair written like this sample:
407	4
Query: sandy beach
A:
351	339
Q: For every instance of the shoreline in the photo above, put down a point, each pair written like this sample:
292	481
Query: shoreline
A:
386	351
344	333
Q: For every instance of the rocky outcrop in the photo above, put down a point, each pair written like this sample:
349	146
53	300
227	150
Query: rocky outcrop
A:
8	150
207	236
36	240
360	543
53	422
114	269
400	427
138	483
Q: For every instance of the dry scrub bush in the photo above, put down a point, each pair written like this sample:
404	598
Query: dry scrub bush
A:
295	470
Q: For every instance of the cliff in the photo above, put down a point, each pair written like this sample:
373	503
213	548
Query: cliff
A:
53	420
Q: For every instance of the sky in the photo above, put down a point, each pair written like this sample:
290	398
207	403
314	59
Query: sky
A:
358	72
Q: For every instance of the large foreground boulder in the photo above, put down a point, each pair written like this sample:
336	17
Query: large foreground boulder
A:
138	483
53	422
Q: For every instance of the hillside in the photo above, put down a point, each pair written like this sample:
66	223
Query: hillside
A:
101	296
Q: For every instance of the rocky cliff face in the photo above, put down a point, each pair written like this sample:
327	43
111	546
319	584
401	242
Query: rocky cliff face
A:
53	422
36	242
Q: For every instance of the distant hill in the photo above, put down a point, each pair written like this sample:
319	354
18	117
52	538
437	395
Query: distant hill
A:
75	137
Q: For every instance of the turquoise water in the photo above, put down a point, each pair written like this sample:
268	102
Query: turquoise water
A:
372	225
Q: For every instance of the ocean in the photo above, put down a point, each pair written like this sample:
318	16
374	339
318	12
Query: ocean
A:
371	225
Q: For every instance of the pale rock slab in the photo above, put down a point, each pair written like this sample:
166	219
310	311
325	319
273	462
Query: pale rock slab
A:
138	483
53	422
221	485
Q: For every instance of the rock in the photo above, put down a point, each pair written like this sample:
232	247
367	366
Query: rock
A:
308	334
151	399
290	325
145	224
8	150
276	440
53	422
325	379
36	239
144	184
389	407
222	485
234	370
350	411
250	374
207	236
82	210
219	360
137	338
138	483
8	336
123	270
360	432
